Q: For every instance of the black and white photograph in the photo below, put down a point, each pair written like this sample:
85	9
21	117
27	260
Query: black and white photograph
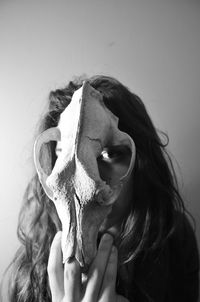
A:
100	147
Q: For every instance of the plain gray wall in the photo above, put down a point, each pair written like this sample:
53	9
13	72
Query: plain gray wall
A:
152	46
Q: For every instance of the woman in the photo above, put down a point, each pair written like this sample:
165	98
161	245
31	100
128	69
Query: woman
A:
156	246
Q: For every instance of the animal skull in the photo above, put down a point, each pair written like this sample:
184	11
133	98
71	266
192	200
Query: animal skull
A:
83	200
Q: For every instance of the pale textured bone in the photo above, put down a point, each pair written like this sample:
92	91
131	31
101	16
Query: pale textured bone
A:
82	199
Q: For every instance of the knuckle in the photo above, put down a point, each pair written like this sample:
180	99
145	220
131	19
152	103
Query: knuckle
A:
71	274
71	271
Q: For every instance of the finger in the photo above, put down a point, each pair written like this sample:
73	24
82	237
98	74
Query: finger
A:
110	276
55	269
72	281
98	267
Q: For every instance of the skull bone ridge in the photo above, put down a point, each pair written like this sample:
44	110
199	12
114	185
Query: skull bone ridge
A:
78	186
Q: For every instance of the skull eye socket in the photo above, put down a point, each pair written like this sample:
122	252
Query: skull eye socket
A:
113	163
115	153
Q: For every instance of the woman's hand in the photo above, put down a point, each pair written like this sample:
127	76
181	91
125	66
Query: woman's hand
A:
66	283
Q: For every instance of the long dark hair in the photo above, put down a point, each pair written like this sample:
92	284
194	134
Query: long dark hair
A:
151	218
